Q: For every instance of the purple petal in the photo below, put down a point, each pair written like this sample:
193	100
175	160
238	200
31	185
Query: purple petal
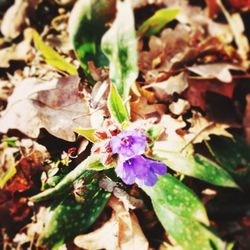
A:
125	172
114	144
157	167
140	166
151	179
129	143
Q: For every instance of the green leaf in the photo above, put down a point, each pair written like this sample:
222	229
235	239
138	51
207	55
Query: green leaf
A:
52	57
88	133
180	212
80	171
234	156
71	218
155	23
119	44
175	196
197	166
87	24
115	105
10	172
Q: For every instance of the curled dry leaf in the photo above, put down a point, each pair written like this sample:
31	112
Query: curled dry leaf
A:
121	232
140	109
221	71
175	84
54	105
17	52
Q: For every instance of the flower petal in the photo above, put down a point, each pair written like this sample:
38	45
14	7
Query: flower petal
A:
157	167
151	179
125	171
129	143
140	166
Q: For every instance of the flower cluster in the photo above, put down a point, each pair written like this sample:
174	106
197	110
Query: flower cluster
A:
132	166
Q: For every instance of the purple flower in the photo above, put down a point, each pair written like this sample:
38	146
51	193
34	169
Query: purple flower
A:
140	170
129	143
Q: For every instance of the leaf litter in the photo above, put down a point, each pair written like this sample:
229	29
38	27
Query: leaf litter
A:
180	63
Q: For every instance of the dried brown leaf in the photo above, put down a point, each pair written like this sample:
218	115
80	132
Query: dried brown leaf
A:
237	27
33	156
201	129
196	92
54	105
121	232
17	52
140	109
15	18
179	107
169	50
175	84
221	71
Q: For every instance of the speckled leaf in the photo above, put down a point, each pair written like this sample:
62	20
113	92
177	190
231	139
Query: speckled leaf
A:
116	107
80	171
119	44
87	25
180	212
155	23
175	196
52	57
233	155
198	167
71	218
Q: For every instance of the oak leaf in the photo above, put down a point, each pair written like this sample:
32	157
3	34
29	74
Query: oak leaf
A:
55	105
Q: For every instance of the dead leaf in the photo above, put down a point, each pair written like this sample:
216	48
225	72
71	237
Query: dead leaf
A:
201	129
140	109
246	120
213	8
6	89
196	92
215	70
169	50
54	105
237	27
121	232
175	84
179	107
33	156
17	52
172	141
243	4
14	19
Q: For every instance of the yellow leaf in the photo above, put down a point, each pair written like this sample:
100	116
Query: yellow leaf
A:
88	133
52	57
